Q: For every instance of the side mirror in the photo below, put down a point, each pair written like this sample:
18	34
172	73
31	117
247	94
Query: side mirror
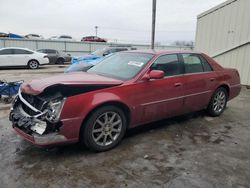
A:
154	74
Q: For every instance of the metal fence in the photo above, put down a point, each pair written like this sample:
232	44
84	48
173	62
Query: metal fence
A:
72	47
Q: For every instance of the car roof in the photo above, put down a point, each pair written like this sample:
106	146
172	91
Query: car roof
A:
16	48
160	52
46	49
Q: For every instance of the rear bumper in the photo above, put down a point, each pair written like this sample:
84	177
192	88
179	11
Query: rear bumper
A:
44	61
234	91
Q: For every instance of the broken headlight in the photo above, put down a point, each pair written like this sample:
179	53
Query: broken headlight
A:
54	109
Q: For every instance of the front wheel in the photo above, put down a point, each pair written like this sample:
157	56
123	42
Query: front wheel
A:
218	102
33	64
104	129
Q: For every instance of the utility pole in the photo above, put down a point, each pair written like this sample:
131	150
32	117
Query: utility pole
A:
153	24
96	28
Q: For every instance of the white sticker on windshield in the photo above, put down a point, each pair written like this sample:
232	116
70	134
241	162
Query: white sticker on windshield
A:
135	63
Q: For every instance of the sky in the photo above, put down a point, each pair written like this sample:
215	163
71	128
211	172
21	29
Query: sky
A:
117	20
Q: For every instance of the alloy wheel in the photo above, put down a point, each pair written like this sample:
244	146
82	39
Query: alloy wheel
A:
107	128
33	64
219	102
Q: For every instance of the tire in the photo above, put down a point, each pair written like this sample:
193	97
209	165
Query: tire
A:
218	102
60	61
33	64
100	136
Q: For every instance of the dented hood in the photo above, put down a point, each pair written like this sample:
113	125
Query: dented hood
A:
37	86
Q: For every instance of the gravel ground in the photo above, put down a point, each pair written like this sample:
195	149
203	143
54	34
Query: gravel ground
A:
194	150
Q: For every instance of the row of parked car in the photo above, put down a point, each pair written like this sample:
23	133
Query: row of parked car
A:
14	56
60	37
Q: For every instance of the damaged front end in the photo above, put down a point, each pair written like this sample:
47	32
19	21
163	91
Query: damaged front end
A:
37	117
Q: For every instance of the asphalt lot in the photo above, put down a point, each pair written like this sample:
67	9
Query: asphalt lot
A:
194	150
14	74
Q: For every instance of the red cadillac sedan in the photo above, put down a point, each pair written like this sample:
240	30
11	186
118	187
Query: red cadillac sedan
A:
123	91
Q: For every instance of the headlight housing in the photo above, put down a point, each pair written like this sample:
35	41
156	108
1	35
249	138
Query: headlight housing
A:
54	110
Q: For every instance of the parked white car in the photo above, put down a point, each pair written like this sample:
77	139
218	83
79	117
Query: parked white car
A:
62	38
34	36
22	57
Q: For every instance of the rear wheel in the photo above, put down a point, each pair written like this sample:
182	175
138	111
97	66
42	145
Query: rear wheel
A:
104	129
33	64
218	102
60	61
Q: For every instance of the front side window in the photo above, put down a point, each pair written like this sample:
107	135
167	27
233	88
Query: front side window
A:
123	66
192	63
169	64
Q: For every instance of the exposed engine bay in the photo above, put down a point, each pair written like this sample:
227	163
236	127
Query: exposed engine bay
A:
39	114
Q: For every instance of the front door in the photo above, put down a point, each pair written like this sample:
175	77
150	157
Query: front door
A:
161	98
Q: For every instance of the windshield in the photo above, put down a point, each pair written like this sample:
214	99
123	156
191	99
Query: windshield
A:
123	66
98	52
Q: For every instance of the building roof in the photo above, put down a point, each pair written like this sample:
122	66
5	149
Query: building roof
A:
216	8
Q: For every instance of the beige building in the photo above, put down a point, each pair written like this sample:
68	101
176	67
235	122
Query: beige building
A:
223	32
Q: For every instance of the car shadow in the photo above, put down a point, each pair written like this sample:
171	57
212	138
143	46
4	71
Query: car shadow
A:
78	149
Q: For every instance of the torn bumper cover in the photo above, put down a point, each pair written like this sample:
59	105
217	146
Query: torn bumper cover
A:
36	118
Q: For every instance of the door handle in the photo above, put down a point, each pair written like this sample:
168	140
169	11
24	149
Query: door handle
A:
212	79
177	84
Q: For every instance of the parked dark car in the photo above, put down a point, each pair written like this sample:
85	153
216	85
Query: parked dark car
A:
125	90
55	56
84	63
4	35
93	39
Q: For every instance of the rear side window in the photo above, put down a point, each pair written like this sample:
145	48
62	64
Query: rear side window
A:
6	52
192	63
169	64
20	51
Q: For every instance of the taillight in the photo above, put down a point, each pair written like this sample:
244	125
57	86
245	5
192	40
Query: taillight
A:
45	56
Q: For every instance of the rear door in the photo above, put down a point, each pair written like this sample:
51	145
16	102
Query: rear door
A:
6	57
199	82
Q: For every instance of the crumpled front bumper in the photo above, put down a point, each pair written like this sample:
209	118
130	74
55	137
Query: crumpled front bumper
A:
23	123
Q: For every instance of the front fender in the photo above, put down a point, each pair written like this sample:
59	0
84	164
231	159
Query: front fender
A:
76	109
79	106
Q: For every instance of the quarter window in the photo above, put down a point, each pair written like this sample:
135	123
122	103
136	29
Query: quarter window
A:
169	64
192	63
206	66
